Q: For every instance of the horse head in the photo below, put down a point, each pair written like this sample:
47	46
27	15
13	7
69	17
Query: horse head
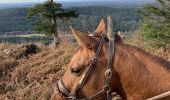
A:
86	76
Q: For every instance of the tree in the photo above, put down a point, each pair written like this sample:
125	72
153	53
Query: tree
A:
49	12
156	23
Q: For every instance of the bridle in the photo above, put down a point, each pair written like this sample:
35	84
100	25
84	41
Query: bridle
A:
108	75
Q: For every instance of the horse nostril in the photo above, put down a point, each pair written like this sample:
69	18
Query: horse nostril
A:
75	71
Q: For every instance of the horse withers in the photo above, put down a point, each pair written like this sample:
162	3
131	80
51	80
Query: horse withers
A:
134	74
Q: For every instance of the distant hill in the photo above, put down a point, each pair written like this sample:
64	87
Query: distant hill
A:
13	18
16	5
82	3
107	3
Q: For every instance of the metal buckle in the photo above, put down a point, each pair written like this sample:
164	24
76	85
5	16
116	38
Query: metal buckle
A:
108	73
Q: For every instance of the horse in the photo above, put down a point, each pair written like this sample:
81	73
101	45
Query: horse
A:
133	73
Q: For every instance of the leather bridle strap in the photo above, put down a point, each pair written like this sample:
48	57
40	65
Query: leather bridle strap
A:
66	93
62	89
91	66
111	53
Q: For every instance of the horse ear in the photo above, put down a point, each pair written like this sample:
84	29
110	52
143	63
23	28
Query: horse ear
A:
83	39
101	28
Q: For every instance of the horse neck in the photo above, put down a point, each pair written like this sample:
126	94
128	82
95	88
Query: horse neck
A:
147	58
156	65
134	75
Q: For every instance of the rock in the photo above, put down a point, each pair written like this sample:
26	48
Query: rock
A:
9	51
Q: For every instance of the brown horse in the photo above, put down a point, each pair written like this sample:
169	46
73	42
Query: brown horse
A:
137	75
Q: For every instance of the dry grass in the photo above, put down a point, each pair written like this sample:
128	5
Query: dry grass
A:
30	79
138	41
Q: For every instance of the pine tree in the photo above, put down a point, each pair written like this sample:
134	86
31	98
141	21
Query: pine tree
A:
156	23
49	12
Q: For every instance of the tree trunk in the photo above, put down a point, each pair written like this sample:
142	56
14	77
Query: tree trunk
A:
56	38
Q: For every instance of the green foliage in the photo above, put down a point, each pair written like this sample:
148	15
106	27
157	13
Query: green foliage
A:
124	19
15	20
156	23
46	28
48	12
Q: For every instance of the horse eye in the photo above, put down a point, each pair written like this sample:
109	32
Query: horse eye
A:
76	71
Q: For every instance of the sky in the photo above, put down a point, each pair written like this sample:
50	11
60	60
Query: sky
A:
20	1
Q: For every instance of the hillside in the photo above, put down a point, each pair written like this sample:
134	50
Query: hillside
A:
29	79
85	3
15	20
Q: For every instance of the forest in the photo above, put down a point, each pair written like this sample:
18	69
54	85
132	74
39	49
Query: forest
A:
124	19
15	19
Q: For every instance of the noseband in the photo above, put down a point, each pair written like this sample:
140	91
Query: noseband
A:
108	75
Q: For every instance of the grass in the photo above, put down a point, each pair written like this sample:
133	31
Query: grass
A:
31	38
25	35
138	41
32	35
29	79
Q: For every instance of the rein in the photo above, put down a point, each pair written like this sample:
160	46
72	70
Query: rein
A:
108	74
